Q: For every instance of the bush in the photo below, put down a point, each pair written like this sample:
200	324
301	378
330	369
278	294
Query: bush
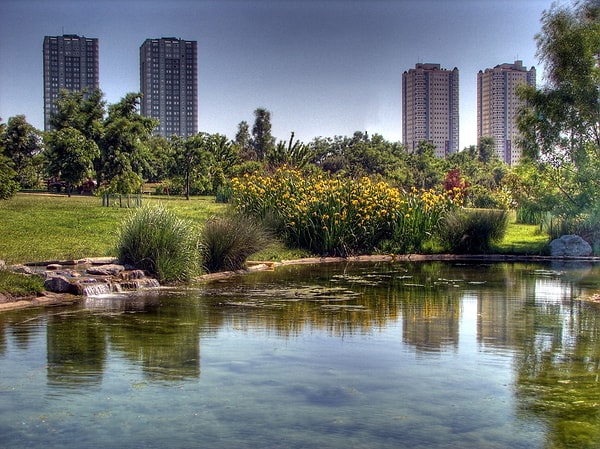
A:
155	240
473	231
227	242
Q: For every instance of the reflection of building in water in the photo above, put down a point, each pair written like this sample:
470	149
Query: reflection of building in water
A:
431	323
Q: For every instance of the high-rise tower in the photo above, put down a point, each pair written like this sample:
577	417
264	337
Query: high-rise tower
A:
169	84
71	62
430	108
498	106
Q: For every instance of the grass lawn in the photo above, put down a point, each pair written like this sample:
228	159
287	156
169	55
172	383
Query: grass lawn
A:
40	227
37	227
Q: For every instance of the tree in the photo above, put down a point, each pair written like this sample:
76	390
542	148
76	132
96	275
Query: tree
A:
8	185
224	156
293	154
22	143
124	145
70	156
426	168
262	141
243	143
486	150
561	123
84	111
191	158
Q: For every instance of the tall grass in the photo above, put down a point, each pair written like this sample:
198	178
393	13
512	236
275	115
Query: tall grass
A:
473	231
154	239
227	242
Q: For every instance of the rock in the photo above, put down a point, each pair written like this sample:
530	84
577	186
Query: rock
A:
570	246
54	267
59	284
106	270
2	265
132	274
22	269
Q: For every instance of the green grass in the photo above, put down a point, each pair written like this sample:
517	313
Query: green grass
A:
37	228
41	228
523	239
19	284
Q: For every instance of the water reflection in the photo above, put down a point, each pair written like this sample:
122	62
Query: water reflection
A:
527	320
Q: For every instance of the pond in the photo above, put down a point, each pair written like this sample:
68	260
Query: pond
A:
351	355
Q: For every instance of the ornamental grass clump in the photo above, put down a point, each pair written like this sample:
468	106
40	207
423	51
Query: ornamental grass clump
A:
227	242
154	239
473	231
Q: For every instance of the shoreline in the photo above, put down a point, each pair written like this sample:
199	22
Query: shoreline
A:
48	299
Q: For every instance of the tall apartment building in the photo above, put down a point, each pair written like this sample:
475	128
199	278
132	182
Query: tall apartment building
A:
169	84
498	106
70	62
430	108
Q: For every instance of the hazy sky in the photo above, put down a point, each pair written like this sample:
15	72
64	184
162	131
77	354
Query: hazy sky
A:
323	68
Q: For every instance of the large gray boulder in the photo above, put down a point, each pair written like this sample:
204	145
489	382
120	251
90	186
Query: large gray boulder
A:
59	284
570	246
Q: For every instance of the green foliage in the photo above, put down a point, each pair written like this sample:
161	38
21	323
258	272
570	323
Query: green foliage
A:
8	184
17	284
262	141
22	143
70	155
561	124
125	143
154	239
340	216
473	231
227	242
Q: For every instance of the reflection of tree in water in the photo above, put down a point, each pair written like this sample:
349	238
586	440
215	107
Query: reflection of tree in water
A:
164	341
558	371
76	349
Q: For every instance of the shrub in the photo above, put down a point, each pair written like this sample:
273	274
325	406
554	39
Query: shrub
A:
227	242
157	241
473	231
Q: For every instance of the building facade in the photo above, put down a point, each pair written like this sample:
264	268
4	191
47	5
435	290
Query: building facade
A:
498	106
430	108
71	62
169	85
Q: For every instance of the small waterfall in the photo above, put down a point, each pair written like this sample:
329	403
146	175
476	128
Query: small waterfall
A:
93	287
96	289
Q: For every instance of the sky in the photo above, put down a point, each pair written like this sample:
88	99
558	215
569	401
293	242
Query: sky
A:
323	68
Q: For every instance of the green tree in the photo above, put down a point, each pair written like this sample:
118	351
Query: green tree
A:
84	111
486	149
191	159
561	124
22	143
224	157
124	146
427	170
292	153
262	141
70	156
243	142
8	185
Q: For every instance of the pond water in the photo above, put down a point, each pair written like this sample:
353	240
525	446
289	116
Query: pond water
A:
353	355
